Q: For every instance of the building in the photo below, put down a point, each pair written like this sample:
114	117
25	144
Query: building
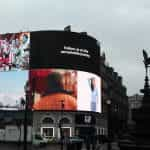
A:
65	86
114	90
84	123
79	54
66	104
135	101
12	126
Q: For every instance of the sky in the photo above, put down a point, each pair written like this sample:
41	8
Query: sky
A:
121	26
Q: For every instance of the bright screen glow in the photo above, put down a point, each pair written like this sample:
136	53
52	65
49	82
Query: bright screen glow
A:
12	88
56	89
14	51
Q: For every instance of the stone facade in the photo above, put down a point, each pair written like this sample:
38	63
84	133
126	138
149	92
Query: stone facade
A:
114	90
70	121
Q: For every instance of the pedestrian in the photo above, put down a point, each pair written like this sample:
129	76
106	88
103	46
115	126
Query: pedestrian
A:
93	142
87	142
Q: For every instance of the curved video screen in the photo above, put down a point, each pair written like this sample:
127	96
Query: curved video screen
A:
12	88
65	89
62	69
14	51
68	50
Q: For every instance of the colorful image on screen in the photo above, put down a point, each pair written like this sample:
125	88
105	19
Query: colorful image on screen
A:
14	51
57	89
89	92
12	88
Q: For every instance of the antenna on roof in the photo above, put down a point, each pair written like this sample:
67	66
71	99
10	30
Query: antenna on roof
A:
68	28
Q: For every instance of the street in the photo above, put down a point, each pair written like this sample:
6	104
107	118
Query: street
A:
15	146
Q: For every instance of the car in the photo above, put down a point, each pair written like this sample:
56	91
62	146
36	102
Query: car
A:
51	139
75	139
74	143
38	140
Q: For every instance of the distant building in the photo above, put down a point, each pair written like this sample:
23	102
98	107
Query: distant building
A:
135	101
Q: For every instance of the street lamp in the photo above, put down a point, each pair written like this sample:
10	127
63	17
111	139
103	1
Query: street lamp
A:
108	102
27	89
60	124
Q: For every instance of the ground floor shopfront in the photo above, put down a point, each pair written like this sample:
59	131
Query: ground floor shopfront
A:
50	123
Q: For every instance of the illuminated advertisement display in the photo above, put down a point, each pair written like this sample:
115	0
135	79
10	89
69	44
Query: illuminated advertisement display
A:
12	88
77	90
62	69
14	51
65	71
68	50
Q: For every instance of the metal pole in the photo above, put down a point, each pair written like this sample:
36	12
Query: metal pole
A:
27	90
25	124
61	134
61	146
108	124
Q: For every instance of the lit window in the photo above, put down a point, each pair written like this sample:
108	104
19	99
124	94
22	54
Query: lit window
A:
47	131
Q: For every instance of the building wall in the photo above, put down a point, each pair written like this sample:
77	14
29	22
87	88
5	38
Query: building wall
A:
12	127
13	133
135	101
76	122
39	116
114	90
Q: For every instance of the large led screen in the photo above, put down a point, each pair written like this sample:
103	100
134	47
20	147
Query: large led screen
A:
57	89
14	51
62	69
68	50
12	88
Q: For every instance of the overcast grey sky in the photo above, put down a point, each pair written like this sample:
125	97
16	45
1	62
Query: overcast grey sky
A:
122	27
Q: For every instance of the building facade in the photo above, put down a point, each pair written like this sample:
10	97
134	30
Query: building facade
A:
76	58
48	123
12	126
135	101
114	90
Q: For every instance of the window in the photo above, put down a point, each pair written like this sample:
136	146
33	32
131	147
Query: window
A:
101	131
48	120
47	131
87	119
65	121
66	131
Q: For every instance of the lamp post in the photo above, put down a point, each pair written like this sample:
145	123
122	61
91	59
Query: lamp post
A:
60	124
108	102
27	89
